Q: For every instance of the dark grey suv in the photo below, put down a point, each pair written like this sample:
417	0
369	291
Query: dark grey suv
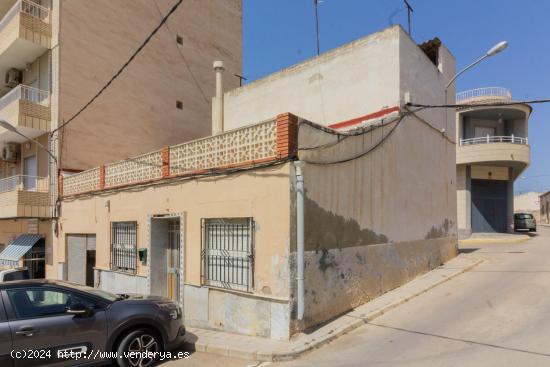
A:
52	323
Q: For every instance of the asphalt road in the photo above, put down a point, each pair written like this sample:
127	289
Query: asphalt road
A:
497	314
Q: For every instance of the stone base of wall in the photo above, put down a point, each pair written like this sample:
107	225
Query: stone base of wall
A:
211	308
338	280
116	282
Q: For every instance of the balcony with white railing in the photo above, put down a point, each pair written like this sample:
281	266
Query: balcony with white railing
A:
25	196
25	34
28	109
484	95
512	151
494	139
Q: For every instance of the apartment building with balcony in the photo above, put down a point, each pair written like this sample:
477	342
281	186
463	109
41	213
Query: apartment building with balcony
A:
213	223
55	55
492	151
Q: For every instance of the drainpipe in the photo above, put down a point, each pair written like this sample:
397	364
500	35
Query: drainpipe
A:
217	112
300	237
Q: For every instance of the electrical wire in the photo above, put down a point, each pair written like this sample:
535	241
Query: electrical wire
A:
177	180
119	72
184	59
468	105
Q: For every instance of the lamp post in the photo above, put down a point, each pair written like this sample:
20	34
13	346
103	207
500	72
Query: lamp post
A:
6	125
493	51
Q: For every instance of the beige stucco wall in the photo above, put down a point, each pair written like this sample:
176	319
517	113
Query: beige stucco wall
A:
378	221
261	194
138	112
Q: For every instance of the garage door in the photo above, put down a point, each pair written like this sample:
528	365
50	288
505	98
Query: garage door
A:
489	205
81	258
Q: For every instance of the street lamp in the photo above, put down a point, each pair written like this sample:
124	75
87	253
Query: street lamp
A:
493	51
6	125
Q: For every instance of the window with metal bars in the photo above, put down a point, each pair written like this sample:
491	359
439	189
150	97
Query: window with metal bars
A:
228	253
124	246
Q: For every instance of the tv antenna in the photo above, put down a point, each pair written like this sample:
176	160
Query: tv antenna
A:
409	11
316	4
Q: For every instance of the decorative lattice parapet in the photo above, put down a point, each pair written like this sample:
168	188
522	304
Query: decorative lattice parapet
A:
146	167
254	143
81	182
267	141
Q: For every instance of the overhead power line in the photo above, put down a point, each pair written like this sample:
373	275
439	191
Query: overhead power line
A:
494	104
119	72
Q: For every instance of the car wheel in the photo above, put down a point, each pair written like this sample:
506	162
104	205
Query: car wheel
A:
138	348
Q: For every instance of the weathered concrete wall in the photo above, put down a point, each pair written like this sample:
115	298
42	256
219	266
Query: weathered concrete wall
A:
353	80
97	37
115	282
375	222
262	194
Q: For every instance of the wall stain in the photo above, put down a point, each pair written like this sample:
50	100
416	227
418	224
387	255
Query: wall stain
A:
325	230
440	231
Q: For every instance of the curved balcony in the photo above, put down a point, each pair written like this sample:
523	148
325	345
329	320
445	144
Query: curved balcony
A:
508	151
484	95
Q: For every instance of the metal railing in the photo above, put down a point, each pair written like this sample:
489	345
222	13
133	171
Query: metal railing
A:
26	93
27	7
481	93
24	183
124	246
494	139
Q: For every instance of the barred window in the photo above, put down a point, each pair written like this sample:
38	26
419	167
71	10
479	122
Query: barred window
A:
228	253
124	246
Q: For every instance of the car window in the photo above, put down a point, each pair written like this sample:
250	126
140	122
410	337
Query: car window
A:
39	302
524	216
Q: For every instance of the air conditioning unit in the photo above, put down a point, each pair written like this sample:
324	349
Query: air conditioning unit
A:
14	77
10	152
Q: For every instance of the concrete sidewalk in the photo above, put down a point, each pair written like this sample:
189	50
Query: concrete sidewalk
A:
494	238
260	349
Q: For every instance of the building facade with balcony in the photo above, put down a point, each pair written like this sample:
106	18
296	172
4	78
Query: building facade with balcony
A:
55	55
492	151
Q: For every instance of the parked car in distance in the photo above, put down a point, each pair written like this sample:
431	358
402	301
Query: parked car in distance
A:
525	222
14	274
63	324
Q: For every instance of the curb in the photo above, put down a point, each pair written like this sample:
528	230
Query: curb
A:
299	349
493	240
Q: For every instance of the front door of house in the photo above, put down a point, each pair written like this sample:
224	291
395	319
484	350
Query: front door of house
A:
173	260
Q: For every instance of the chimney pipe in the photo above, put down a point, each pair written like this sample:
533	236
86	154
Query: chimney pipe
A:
217	106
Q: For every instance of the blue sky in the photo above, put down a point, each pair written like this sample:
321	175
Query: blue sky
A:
280	33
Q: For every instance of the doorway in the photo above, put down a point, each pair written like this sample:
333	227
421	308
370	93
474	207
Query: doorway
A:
81	252
165	264
30	170
35	260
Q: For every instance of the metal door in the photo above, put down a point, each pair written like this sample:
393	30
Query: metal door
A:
173	260
78	265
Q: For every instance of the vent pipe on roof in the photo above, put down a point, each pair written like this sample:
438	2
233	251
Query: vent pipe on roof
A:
217	105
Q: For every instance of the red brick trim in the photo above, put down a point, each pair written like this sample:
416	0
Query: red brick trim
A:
165	162
370	116
287	135
101	177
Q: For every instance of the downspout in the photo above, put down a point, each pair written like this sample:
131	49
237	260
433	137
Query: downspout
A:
300	237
